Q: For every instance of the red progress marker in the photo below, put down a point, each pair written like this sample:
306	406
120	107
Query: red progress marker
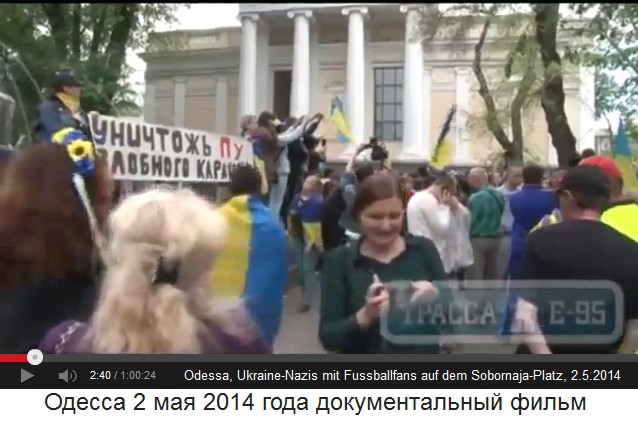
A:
13	358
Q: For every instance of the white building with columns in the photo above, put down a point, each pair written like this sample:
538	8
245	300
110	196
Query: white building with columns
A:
293	58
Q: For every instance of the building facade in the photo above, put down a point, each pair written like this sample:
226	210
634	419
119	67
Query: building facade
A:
396	81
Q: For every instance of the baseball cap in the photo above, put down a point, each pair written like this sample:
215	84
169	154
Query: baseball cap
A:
63	78
586	180
605	163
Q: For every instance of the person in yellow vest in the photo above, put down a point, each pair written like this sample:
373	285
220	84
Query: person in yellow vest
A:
622	211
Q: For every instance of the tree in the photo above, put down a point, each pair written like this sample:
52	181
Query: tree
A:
546	18
615	59
532	71
525	50
92	39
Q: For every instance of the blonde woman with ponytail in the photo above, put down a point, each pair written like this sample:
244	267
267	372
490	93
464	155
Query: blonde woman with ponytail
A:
155	294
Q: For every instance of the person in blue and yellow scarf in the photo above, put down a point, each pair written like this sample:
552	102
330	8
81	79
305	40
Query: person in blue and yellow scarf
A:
306	226
56	198
62	110
254	264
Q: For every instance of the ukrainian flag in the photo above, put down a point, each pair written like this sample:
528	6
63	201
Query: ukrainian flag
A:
312	233
260	166
344	135
622	156
254	264
444	149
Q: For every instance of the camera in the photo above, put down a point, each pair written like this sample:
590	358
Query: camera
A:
379	152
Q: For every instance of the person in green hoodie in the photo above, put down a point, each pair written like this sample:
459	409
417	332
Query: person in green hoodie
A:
357	277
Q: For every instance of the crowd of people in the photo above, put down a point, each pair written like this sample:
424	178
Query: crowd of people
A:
168	271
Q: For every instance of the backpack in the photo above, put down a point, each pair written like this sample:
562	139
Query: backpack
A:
333	207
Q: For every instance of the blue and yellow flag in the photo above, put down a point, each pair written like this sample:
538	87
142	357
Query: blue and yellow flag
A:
260	165
254	264
344	135
623	157
444	149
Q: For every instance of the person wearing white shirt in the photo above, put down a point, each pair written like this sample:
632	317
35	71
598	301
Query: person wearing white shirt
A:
511	185
435	213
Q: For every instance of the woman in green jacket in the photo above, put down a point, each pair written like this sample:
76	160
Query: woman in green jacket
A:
357	280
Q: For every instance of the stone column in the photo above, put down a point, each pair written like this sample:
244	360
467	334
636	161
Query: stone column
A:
221	104
315	66
415	145
587	96
428	142
355	84
369	85
263	69
248	65
461	146
300	104
179	102
149	103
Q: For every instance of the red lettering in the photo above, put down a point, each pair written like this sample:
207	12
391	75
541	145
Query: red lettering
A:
224	147
238	149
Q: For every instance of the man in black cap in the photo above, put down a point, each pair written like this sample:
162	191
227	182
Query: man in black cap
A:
582	248
62	109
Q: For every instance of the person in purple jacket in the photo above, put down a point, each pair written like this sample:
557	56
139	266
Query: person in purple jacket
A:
154	298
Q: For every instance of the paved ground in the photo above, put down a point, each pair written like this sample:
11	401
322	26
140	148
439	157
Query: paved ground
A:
298	333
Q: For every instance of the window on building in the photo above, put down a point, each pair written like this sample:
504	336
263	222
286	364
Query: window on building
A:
603	145
388	103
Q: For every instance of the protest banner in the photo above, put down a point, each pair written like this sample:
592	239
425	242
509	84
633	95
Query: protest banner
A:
139	151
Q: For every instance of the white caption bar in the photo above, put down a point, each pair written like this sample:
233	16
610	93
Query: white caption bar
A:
489	405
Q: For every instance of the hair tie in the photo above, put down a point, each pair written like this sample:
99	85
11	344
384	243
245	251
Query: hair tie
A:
80	148
164	275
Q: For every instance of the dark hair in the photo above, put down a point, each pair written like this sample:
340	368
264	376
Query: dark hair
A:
590	201
574	160
328	186
418	183
586	153
327	172
463	186
423	171
264	119
533	174
374	188
314	159
44	228
244	180
363	171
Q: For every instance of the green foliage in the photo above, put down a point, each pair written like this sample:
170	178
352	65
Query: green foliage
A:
91	39
615	58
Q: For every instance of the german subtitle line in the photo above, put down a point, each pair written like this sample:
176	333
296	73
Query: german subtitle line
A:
311	404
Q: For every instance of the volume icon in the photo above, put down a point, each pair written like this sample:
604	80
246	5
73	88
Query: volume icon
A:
68	376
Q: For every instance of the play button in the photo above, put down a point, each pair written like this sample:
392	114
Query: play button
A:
25	375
